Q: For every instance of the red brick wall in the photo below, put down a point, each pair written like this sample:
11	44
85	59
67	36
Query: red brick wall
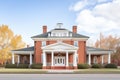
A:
38	52
81	52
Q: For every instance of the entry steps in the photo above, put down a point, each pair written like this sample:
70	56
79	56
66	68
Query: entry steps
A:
60	71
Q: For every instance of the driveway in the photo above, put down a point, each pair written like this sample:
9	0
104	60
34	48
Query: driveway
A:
59	76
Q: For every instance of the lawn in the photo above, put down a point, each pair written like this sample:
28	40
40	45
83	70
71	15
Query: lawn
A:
97	71
41	71
22	71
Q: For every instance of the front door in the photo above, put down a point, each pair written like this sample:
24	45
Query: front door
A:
59	61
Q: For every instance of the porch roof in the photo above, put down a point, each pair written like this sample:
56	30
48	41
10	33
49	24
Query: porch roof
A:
97	50
88	50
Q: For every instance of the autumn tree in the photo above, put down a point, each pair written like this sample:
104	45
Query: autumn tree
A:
8	42
110	43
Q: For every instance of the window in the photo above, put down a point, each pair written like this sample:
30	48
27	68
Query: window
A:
95	59
43	43
75	43
65	34
53	34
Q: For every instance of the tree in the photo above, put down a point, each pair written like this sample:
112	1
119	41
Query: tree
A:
8	42
110	43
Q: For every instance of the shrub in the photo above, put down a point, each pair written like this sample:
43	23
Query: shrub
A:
36	66
23	66
11	66
110	66
96	66
83	66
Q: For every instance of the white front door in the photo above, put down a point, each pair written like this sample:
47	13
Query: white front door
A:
59	61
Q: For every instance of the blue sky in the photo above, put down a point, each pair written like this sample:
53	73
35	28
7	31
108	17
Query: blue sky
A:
26	17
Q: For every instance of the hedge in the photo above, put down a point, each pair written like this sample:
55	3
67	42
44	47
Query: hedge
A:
110	66
36	66
23	66
96	66
83	66
11	66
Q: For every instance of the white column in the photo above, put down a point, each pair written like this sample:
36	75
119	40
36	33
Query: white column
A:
44	58
89	59
18	59
67	59
13	60
30	58
109	58
102	59
75	59
52	57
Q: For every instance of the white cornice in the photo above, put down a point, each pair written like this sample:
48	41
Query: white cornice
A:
52	38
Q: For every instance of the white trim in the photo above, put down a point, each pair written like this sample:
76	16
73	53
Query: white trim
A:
75	59
59	38
30	58
89	59
57	44
23	52
99	52
13	60
52	57
67	61
109	58
59	51
44	58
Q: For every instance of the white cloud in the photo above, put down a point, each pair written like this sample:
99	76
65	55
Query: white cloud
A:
104	16
79	5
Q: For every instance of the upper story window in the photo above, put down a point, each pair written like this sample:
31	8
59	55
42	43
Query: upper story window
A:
53	34
75	43
43	43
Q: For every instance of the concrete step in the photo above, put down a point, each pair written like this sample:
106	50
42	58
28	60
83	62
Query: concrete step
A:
60	71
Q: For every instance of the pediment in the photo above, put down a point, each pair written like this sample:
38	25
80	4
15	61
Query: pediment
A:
60	46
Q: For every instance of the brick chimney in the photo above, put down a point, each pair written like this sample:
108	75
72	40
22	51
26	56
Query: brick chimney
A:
44	29
74	29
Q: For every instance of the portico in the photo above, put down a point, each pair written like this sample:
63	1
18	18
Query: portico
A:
61	55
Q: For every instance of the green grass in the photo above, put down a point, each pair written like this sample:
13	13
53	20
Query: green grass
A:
97	71
42	71
23	71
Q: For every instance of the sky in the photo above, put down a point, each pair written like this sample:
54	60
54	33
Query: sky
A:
26	17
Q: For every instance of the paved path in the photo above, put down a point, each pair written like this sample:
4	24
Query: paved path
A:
59	76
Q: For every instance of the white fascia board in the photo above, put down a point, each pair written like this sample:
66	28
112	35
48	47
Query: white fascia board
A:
23	52
52	38
59	51
99	52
